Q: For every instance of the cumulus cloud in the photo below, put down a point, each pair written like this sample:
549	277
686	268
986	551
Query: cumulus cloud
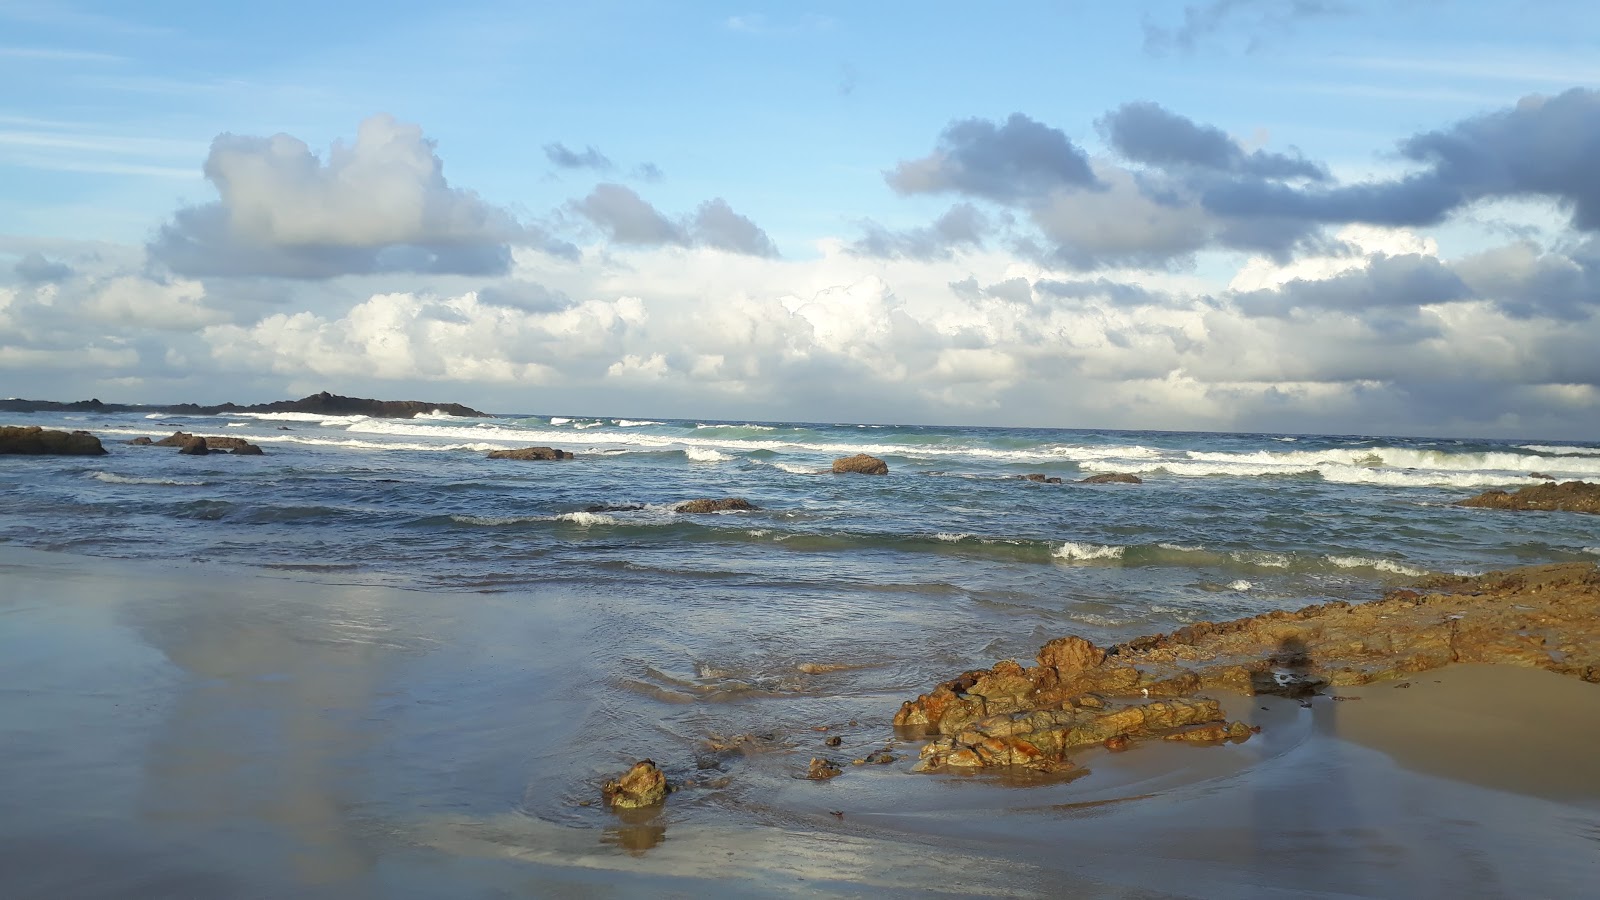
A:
1148	133
963	226
627	218
1017	159
34	268
379	204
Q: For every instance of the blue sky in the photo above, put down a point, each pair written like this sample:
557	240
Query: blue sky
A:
780	172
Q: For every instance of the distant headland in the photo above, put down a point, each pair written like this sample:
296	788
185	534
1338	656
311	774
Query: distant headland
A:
322	404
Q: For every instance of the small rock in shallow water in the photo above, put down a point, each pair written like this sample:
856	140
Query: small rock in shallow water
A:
642	785
822	769
834	741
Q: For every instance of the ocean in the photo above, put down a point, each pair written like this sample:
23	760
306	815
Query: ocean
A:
564	620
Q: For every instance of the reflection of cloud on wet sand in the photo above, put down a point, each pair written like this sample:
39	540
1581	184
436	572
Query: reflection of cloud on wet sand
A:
271	720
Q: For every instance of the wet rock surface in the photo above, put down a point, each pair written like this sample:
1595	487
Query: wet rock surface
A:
196	445
860	464
541	453
726	504
1039	478
1079	694
1569	496
31	440
643	785
1112	478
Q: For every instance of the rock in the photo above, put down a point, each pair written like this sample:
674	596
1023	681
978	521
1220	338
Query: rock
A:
860	464
822	769
834	741
195	446
1039	478
246	449
1541	475
530	453
322	404
1112	478
177	439
614	507
31	440
727	504
1147	688
1570	496
139	442
642	785
1118	743
226	443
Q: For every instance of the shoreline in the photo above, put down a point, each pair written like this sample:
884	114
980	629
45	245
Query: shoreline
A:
314	739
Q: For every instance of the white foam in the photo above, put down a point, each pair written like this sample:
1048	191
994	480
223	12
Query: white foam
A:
436	414
748	426
559	420
586	519
496	520
1263	558
1422	478
793	469
1382	565
705	455
1594	550
636	423
329	421
114	478
1562	450
1180	547
1240	585
951	536
1085	551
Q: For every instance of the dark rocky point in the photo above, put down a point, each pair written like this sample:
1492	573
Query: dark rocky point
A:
1112	478
31	440
1570	496
530	453
322	404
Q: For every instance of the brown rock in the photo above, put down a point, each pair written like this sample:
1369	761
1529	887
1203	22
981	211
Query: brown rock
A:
530	453
642	785
1039	478
139	442
822	769
860	464
226	443
246	449
1570	496
1112	478
195	446
727	504
31	440
177	439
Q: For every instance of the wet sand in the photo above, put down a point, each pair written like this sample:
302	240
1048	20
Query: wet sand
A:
188	731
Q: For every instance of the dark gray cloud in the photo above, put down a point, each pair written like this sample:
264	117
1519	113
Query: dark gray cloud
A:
1398	282
961	226
1149	134
567	158
381	204
1526	283
34	268
627	218
526	296
1254	19
717	225
1004	163
1542	147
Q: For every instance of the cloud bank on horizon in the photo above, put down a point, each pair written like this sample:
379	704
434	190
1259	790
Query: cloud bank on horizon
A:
1137	264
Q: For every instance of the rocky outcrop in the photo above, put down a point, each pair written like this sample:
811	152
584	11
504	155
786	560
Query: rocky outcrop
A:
31	440
1569	496
726	504
140	442
860	464
1039	478
195	445
642	785
1112	478
322	404
1078	694
530	453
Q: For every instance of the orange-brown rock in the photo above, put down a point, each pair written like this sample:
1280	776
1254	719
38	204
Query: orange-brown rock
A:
860	464
31	440
1079	694
530	453
1569	496
642	785
822	769
726	504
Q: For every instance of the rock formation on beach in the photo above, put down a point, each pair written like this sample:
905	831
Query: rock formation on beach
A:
860	464
546	453
1039	478
31	440
642	785
1078	694
323	403
1112	478
1570	496
197	445
726	504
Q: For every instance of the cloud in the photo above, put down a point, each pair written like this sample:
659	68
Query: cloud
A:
379	204
1540	148
566	158
627	218
1147	133
1003	163
963	226
1251	17
34	268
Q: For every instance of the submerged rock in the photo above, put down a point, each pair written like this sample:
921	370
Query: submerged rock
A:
139	442
530	453
245	449
1079	694
1569	496
822	769
1039	478
31	440
860	464
642	785
726	504
1112	478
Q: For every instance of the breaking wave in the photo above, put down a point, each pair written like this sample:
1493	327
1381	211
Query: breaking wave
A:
114	478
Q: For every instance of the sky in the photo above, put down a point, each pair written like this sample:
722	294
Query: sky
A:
1328	216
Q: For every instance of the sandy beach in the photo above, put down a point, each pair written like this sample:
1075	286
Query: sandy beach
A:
189	731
